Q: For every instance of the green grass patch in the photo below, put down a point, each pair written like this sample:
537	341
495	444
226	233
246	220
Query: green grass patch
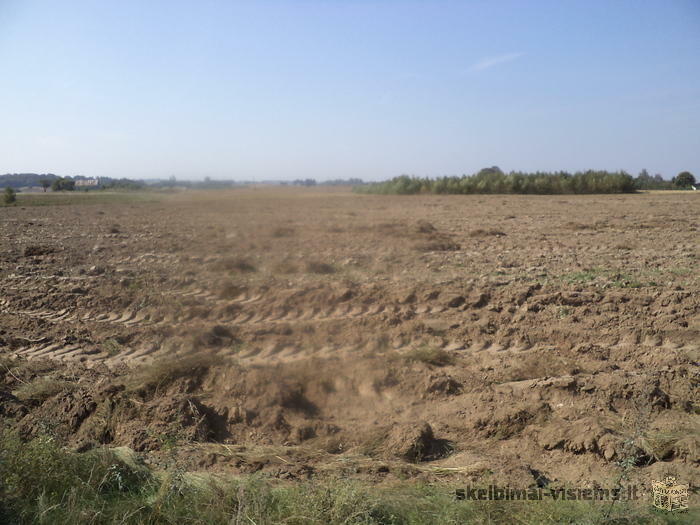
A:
583	276
111	346
73	198
41	483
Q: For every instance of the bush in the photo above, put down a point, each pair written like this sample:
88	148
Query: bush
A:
9	195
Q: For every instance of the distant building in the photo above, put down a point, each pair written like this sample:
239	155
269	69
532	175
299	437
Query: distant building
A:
87	182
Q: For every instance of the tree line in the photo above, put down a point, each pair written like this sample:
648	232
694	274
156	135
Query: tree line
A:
493	180
58	183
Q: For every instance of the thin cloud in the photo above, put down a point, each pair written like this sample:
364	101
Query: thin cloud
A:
489	62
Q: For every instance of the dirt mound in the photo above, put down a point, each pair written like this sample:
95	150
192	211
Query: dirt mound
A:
416	443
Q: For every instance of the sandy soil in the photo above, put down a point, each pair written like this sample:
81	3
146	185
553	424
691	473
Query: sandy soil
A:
303	332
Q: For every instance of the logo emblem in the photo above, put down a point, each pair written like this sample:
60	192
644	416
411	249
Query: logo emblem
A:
669	495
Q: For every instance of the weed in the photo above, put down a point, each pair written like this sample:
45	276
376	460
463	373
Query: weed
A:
583	276
10	196
111	346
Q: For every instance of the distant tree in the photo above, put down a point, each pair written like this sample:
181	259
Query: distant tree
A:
305	182
343	182
45	183
20	180
493	170
63	184
9	195
684	179
120	184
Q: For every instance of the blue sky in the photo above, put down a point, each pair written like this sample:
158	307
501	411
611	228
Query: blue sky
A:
336	89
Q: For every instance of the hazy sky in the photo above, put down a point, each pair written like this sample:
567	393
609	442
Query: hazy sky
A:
347	88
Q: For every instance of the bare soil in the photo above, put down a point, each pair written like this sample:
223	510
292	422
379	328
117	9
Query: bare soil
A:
312	332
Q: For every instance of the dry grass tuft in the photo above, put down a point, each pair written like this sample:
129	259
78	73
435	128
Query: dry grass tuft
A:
283	231
425	227
537	366
285	268
164	372
430	356
319	267
438	245
230	290
486	233
682	443
43	388
236	264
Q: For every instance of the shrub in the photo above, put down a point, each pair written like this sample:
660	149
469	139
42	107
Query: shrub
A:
9	196
63	184
685	179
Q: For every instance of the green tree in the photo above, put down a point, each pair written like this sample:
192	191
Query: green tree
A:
9	196
684	179
45	183
63	185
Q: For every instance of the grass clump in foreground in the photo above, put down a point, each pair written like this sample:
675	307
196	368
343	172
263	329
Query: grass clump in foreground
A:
44	484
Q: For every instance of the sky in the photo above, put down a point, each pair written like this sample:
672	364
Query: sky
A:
262	90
